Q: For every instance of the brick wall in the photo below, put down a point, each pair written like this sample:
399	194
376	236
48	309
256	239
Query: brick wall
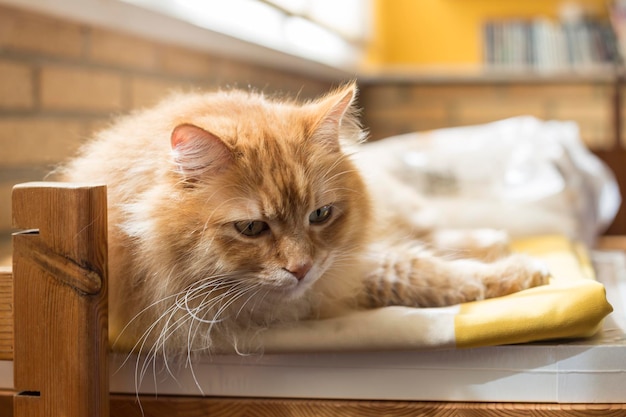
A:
60	80
393	108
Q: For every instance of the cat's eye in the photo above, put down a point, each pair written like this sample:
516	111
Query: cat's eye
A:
321	215
251	228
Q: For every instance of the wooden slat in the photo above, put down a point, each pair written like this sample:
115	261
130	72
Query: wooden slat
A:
60	301
6	403
127	406
6	314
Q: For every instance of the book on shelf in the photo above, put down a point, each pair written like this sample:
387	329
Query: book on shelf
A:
617	17
546	45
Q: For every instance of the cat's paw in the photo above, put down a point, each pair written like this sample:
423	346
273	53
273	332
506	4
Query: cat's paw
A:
516	273
538	273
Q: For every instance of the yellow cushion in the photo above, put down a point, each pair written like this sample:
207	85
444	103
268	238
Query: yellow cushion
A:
572	305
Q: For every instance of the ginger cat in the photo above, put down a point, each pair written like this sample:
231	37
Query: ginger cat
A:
231	211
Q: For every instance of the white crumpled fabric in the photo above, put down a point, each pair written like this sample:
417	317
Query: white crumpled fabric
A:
522	174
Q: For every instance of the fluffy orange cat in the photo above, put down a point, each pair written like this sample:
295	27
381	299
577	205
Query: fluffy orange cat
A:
232	211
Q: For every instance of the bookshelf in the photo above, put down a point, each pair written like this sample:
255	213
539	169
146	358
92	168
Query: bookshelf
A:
542	45
479	39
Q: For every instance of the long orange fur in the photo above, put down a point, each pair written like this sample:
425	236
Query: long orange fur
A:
184	176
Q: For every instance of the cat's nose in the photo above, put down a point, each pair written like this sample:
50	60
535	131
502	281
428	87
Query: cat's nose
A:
300	269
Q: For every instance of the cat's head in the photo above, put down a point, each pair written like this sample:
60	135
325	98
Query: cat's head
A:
270	202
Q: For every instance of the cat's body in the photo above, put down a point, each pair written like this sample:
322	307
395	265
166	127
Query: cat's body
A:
230	211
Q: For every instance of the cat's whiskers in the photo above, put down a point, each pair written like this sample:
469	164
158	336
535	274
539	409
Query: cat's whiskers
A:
251	291
252	294
257	300
195	316
149	358
136	317
340	189
172	325
209	304
192	333
344	259
171	308
183	302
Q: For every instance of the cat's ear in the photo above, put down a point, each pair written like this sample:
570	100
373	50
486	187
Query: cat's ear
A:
339	118
197	152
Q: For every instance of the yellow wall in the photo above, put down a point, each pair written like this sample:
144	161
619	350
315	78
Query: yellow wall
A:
447	32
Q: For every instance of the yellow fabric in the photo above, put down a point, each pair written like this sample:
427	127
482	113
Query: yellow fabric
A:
572	305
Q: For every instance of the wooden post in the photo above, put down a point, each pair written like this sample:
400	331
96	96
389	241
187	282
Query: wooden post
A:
60	300
6	314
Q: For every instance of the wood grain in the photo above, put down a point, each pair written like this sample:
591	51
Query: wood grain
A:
60	301
127	406
6	314
6	403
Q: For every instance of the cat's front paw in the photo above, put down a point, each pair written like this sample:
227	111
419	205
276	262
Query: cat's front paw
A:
538	273
516	273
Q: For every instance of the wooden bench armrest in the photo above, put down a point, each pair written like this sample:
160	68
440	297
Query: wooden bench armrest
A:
60	300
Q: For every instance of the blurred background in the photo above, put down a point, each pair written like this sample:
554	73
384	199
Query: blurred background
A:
68	66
